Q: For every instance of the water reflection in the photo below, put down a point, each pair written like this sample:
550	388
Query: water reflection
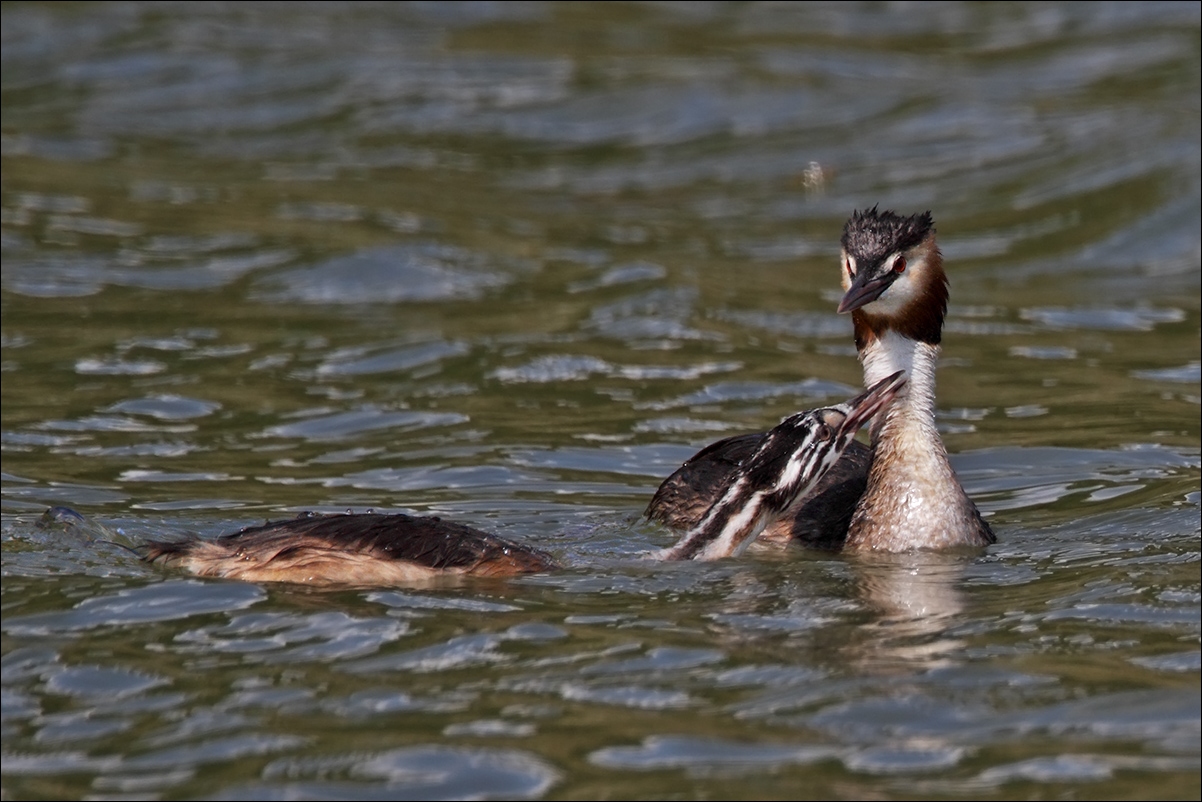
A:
915	597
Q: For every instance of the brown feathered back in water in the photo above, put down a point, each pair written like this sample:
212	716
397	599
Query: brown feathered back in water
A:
353	549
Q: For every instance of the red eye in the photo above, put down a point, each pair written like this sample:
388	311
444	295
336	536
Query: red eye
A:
900	265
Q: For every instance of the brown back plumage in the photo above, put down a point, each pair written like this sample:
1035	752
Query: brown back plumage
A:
366	548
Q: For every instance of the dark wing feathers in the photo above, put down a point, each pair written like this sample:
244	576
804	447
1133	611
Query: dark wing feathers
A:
427	541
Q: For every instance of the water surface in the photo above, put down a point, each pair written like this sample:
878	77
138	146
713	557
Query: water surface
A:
511	264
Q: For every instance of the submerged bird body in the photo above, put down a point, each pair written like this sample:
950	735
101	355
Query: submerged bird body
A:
355	549
902	493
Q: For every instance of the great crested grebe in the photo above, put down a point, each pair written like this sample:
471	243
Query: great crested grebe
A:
901	493
377	549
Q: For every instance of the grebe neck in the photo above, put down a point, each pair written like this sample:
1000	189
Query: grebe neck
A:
915	403
913	499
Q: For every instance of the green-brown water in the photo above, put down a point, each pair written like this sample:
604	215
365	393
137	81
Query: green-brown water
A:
511	264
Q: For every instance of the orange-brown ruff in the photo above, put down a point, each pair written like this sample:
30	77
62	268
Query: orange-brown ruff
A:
900	494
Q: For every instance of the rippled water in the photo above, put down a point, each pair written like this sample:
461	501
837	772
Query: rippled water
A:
511	264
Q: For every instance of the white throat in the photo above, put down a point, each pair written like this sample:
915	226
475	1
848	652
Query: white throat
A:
916	402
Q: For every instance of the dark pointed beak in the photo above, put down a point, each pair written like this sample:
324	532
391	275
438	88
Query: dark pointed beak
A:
864	290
